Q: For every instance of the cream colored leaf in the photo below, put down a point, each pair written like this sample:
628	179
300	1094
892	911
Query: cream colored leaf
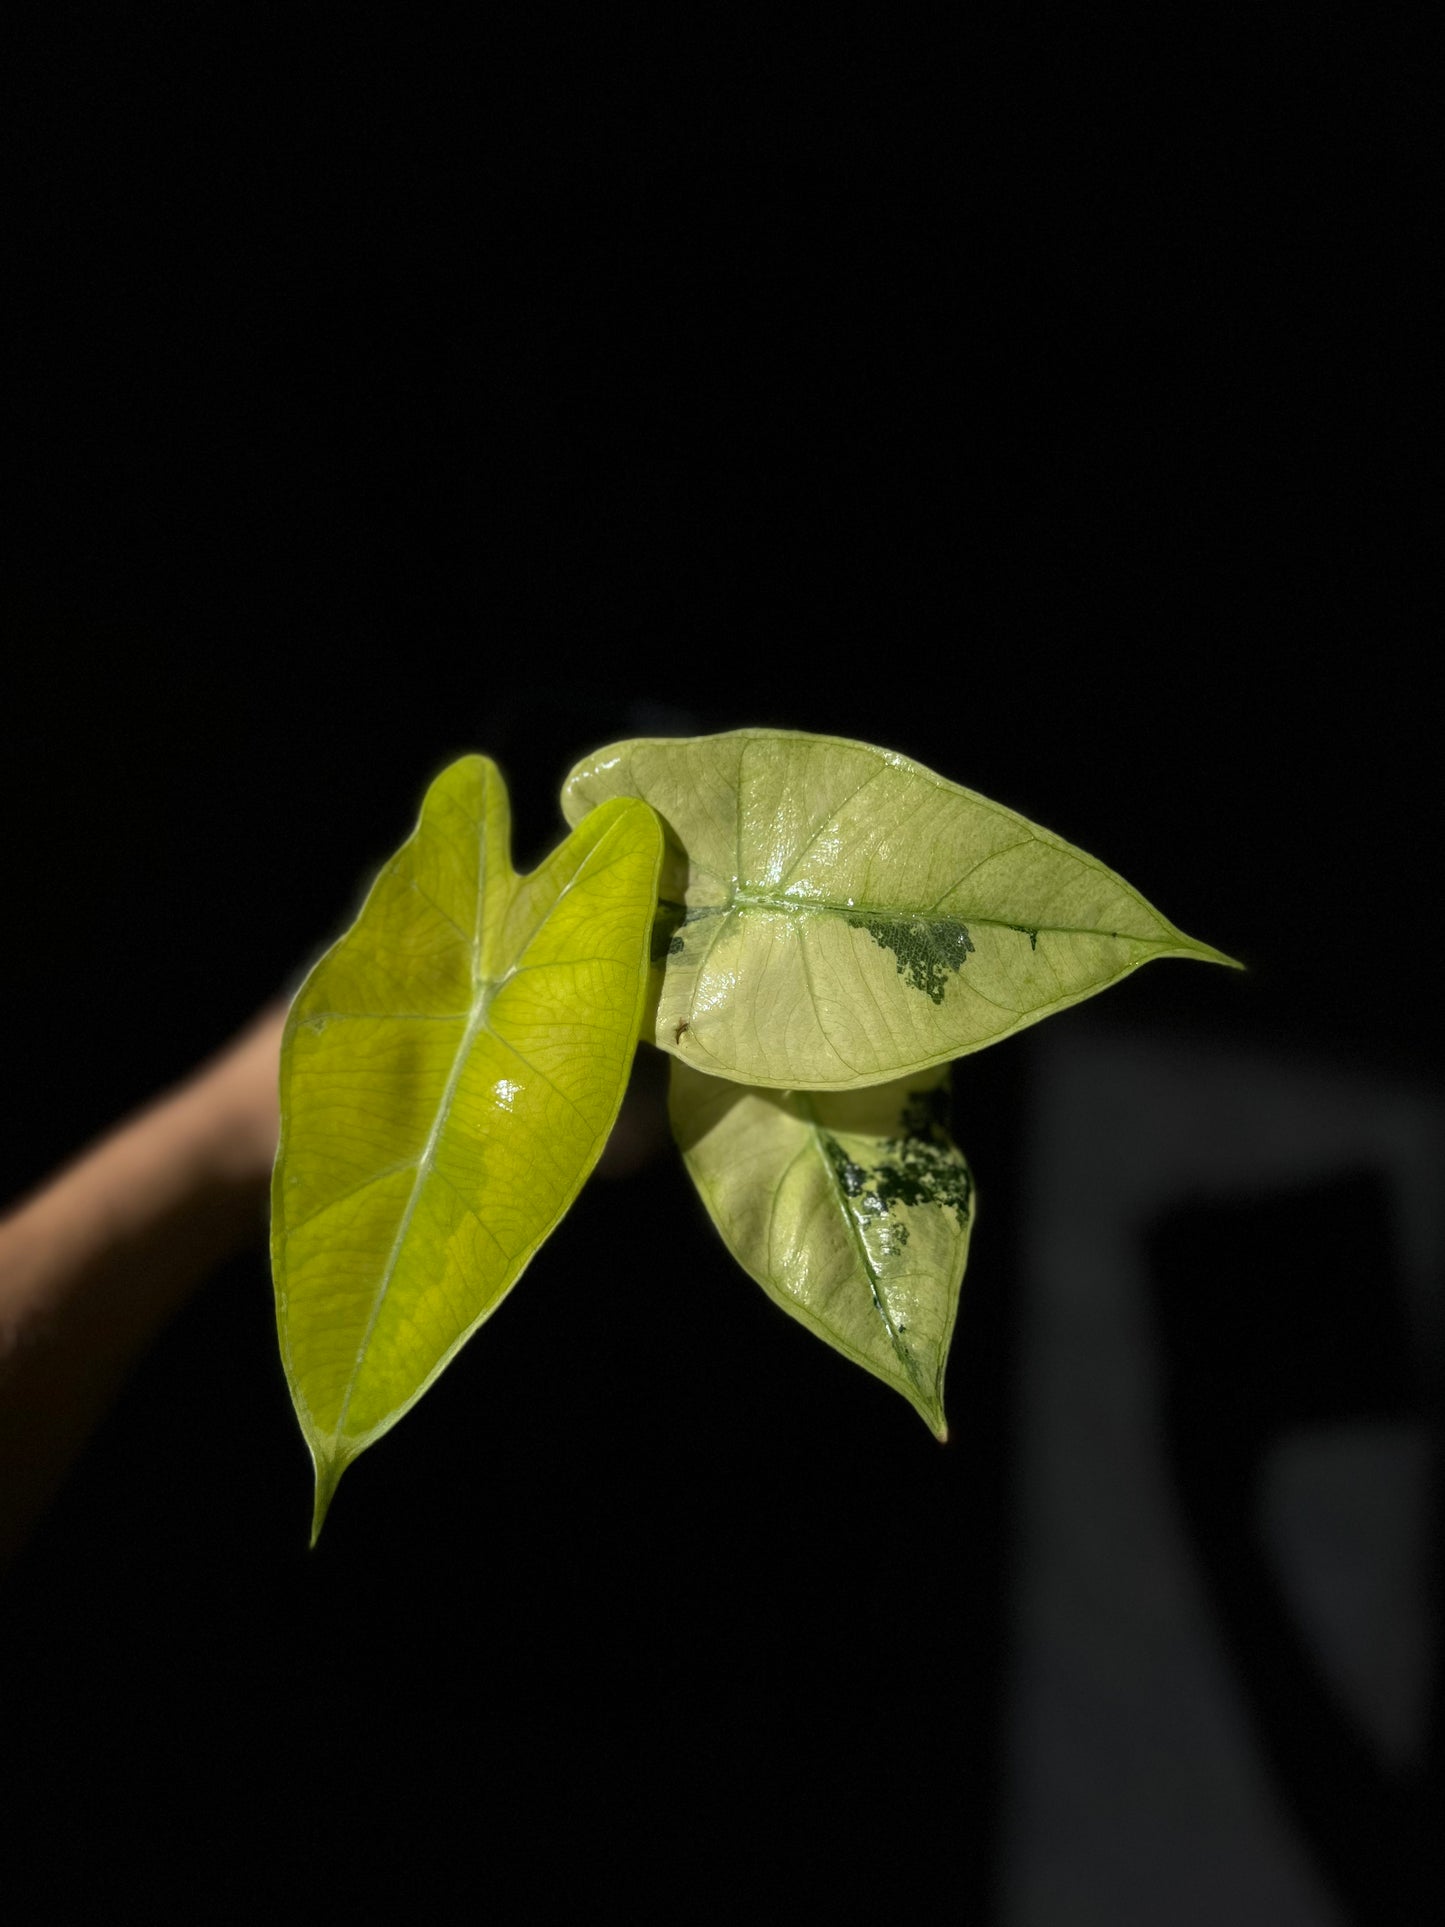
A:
851	1209
836	915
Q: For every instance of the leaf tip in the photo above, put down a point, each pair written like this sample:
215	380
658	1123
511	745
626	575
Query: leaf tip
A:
932	1413
1210	955
328	1477
1206	953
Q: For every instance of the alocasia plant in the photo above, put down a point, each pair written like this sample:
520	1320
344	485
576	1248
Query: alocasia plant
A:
811	928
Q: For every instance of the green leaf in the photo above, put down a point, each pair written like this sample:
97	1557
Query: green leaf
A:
450	1072
836	915
851	1209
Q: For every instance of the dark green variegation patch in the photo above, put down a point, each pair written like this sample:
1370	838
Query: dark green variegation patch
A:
919	1167
927	954
922	1170
864	1202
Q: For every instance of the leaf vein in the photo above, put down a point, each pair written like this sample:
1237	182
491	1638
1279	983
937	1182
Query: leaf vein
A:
832	817
355	1191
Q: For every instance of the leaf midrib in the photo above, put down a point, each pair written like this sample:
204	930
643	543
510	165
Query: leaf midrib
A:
870	1272
744	900
477	1021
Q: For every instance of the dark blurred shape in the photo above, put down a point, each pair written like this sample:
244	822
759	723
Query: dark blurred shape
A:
1141	1786
1274	1313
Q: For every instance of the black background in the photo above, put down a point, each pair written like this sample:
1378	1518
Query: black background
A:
1044	408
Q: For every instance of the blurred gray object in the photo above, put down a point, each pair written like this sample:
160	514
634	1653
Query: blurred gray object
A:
1142	1785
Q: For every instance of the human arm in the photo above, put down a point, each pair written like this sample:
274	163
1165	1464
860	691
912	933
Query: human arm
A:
94	1262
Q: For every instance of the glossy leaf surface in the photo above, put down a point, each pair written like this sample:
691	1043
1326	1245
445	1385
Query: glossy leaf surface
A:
450	1072
851	1209
841	915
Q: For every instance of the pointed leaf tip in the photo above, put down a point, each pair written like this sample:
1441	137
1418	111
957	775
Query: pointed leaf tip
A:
328	1477
1197	951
